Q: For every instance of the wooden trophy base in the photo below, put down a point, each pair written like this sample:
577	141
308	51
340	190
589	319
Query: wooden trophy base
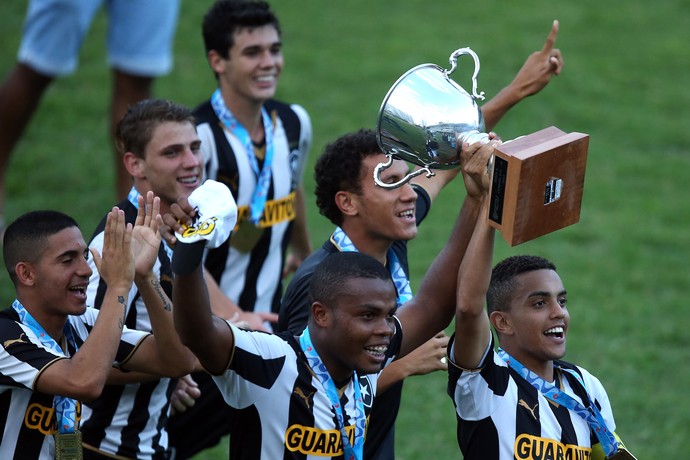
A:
537	184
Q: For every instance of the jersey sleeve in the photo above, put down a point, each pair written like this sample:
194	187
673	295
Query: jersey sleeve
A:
257	362
305	140
22	357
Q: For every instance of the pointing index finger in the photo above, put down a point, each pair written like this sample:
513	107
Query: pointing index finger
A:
551	39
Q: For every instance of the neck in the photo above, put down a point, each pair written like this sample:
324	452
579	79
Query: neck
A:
376	248
543	369
53	324
338	372
247	112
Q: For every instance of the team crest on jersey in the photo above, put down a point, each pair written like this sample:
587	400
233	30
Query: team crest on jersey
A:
366	387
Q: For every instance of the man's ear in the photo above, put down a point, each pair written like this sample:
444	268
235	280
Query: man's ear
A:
321	314
135	166
346	202
216	61
501	322
25	273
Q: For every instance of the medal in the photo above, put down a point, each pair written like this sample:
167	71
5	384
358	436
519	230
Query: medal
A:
68	446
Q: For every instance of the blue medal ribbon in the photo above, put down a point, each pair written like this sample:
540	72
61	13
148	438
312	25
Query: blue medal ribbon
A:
402	283
350	451
591	415
263	181
65	408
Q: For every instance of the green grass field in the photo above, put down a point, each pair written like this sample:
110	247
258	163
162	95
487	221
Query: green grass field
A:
624	83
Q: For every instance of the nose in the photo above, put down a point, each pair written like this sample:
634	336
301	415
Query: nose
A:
192	158
557	310
407	193
84	270
269	58
385	327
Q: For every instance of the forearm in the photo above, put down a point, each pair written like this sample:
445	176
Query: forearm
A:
174	357
393	373
472	326
221	305
208	336
432	309
498	106
300	243
84	375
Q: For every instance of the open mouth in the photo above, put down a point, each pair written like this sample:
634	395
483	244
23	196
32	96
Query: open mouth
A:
189	180
557	332
378	352
79	291
408	214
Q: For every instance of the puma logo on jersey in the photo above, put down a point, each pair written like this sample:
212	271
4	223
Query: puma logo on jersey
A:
530	409
306	398
22	339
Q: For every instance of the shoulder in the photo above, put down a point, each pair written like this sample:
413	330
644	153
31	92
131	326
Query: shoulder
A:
203	112
294	118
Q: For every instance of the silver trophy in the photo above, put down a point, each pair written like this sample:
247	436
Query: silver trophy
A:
424	117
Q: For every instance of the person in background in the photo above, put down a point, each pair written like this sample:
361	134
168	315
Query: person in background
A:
140	39
258	147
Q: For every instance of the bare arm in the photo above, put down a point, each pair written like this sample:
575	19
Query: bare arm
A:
83	375
432	309
534	75
300	243
164	354
472	327
223	307
208	336
423	360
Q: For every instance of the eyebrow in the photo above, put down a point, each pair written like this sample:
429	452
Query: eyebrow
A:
546	294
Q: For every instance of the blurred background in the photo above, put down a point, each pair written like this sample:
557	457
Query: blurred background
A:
627	65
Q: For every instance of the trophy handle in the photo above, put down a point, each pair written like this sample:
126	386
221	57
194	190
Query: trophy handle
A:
382	166
454	63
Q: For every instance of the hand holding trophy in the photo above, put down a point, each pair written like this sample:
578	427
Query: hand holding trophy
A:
537	180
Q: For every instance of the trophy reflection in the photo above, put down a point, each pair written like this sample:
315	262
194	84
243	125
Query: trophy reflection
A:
536	180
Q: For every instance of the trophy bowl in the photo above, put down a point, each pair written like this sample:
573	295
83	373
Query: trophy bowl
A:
425	115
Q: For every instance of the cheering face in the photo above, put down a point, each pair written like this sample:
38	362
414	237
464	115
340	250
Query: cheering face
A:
361	326
387	214
253	67
538	319
172	167
61	275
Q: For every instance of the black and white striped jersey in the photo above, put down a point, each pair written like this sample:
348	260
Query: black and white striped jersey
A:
129	420
283	409
248	267
27	417
501	416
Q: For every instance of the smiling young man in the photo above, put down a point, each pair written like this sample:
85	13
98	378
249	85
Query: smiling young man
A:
258	147
160	148
57	352
298	394
521	401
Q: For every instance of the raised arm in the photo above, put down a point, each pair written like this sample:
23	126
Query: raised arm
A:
163	354
83	375
209	337
534	75
472	327
432	309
